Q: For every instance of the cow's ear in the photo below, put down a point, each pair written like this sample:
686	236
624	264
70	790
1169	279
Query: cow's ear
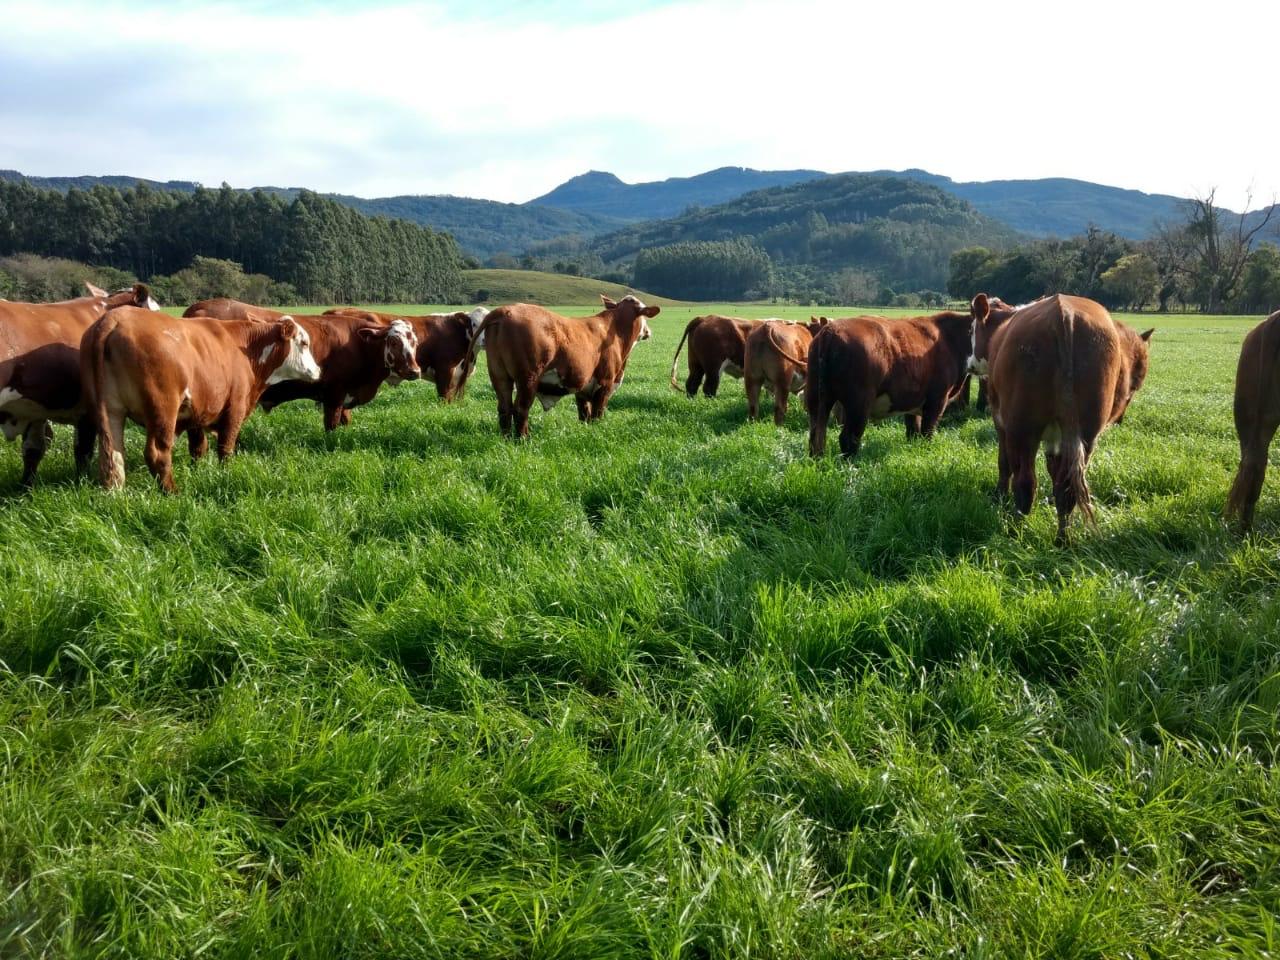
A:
94	291
608	304
141	294
823	321
1146	334
288	328
651	311
981	307
371	333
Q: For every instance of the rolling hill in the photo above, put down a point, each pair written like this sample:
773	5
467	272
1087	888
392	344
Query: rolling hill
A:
604	194
547	289
903	231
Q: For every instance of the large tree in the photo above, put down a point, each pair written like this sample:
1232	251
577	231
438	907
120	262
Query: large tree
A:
1220	242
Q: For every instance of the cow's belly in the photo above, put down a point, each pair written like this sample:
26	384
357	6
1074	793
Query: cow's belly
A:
18	411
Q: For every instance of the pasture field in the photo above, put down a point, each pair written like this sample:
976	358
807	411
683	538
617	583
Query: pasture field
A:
534	286
655	687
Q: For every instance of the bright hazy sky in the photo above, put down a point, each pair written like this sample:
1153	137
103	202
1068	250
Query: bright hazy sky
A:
506	99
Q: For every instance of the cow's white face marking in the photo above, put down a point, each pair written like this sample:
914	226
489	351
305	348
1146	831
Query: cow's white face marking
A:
399	348
7	395
299	363
475	318
645	332
152	304
731	368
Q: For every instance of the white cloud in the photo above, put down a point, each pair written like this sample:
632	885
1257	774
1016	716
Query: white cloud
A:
416	99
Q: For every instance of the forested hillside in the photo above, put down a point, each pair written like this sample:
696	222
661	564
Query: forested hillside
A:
604	194
328	252
894	232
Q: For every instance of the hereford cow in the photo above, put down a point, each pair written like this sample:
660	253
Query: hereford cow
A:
224	308
1257	411
869	368
444	341
716	346
355	356
540	354
40	370
178	374
776	357
999	314
1059	372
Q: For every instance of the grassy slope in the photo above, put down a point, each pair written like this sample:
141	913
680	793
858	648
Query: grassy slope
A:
659	686
533	286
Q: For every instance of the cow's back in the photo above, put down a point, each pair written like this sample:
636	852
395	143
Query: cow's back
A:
225	308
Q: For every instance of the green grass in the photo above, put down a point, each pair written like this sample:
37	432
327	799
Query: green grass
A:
534	286
655	687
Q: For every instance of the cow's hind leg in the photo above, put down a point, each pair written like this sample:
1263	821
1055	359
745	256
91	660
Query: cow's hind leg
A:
86	437
1242	501
35	441
819	407
855	425
506	408
197	443
695	380
753	396
526	392
712	384
159	450
1021	447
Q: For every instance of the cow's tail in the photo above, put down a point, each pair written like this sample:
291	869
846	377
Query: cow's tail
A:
110	460
675	361
1071	462
801	361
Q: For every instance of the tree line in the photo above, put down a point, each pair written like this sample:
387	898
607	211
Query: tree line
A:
326	252
1212	261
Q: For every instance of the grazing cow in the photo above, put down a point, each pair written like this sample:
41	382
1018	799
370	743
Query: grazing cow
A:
776	357
444	341
181	374
716	346
542	355
869	368
224	308
40	370
1257	411
1058	374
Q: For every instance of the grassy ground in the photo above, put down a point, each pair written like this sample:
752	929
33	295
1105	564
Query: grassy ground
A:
533	286
656	687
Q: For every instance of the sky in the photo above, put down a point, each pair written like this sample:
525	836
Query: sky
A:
503	100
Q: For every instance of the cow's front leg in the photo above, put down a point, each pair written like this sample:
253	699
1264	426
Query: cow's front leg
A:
35	441
601	400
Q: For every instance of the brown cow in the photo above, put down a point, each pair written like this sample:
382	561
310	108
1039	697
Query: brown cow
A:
40	370
716	347
869	368
178	374
1059	372
776	357
542	355
1257	412
1000	312
355	356
224	308
444	340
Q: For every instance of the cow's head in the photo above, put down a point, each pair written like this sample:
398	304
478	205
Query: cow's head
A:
289	355
399	349
474	318
630	308
1138	345
817	323
989	315
139	295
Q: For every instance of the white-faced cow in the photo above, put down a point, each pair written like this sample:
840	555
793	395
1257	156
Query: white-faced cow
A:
540	355
172	374
40	370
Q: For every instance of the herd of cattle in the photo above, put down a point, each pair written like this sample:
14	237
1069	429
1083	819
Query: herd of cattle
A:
1055	373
